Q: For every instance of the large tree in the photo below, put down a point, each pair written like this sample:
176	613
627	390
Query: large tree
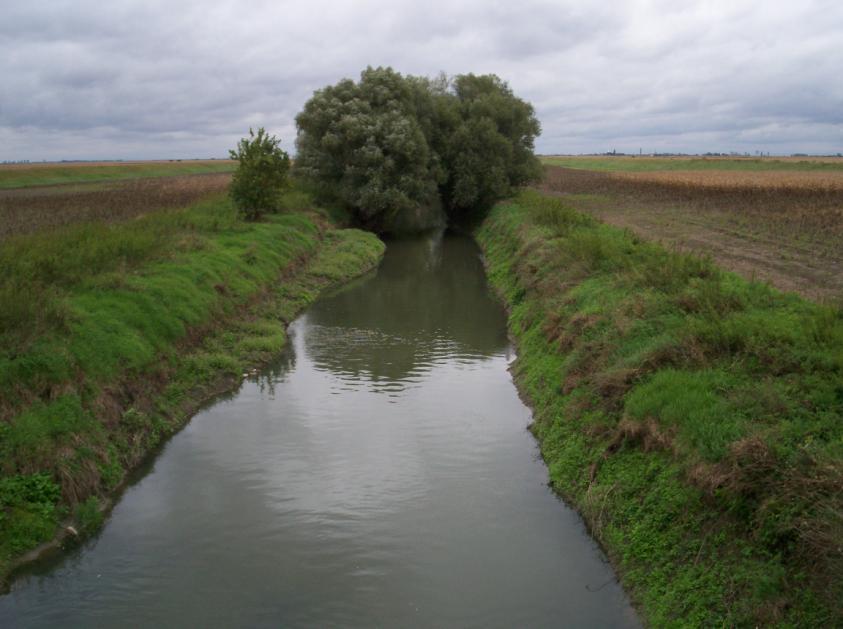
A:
363	144
491	149
395	148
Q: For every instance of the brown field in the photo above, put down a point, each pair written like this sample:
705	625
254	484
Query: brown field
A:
780	226
64	173
86	164
753	180
27	210
819	159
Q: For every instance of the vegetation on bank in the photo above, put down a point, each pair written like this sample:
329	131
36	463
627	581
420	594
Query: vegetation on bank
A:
398	150
112	334
25	175
261	176
693	417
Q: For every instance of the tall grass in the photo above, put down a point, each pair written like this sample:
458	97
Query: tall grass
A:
99	297
694	417
40	269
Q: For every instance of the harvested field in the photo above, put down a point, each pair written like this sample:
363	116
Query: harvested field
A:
780	226
28	210
630	163
816	182
52	173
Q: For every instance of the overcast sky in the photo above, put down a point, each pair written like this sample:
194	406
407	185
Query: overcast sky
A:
87	79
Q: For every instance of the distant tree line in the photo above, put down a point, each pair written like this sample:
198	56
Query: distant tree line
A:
401	151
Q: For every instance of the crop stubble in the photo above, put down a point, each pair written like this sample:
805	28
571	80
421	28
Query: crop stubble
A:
784	227
28	210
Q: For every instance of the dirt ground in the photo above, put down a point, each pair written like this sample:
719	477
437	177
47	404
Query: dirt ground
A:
790	235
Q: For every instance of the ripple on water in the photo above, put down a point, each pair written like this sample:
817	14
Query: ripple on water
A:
380	474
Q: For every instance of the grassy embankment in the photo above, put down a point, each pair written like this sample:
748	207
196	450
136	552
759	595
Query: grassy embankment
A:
694	418
25	175
111	335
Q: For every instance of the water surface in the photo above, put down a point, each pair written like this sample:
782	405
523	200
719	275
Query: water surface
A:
379	474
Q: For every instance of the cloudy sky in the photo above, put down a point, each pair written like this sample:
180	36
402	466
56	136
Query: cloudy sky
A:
86	79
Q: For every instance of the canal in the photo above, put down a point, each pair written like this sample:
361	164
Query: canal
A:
379	473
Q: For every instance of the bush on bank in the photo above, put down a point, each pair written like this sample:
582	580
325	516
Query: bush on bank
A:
261	174
693	417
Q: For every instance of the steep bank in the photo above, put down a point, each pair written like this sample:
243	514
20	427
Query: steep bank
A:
118	334
692	417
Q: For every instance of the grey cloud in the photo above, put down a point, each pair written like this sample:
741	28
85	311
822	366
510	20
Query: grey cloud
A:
182	79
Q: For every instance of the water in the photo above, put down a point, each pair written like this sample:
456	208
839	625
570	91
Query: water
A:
379	474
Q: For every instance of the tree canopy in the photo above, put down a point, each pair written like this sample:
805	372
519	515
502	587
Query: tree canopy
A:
397	149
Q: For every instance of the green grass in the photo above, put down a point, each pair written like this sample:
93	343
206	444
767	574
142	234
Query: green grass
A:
649	164
117	332
28	510
22	176
694	418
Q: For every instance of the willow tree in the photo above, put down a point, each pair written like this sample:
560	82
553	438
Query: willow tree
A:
394	149
490	151
363	145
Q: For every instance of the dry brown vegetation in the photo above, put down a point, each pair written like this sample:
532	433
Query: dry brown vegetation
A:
785	227
28	210
812	181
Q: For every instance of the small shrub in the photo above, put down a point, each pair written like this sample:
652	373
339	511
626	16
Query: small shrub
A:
261	175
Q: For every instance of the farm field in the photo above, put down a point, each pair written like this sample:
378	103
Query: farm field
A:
628	163
780	221
123	191
51	173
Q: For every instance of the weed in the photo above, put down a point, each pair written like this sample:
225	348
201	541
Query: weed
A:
88	515
28	512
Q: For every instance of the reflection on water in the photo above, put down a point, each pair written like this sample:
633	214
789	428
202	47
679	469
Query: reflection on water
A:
379	474
430	305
